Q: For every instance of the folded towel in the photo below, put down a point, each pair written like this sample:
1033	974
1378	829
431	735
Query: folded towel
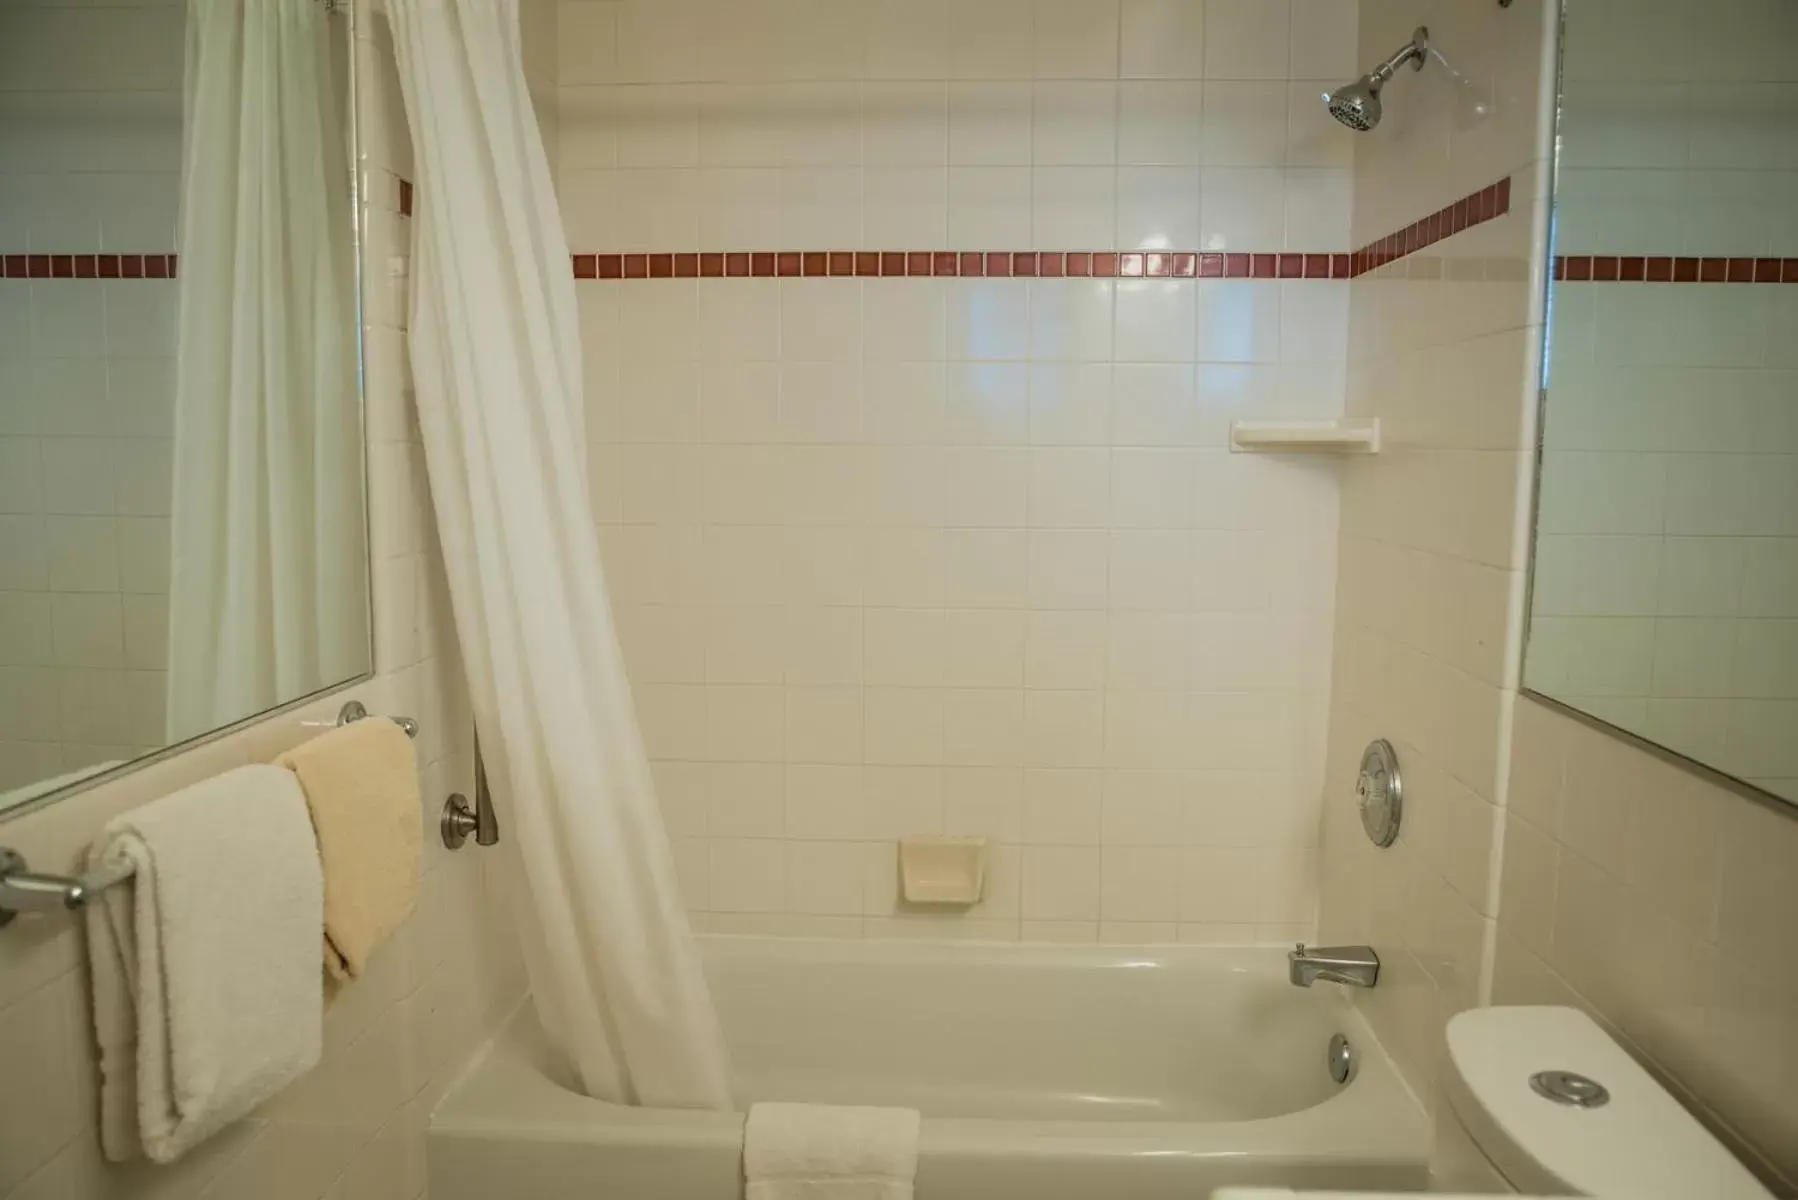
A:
820	1152
361	785
207	993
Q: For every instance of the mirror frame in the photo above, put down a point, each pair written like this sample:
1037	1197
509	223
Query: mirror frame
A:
358	235
1707	771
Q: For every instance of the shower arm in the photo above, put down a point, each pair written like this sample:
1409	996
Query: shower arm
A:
1413	53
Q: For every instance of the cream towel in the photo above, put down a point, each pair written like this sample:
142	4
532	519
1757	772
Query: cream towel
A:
207	993
820	1152
361	785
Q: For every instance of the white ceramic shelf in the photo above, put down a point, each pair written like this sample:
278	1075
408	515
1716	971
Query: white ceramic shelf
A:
1349	435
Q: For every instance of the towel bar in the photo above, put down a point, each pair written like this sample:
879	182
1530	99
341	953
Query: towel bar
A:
354	710
22	890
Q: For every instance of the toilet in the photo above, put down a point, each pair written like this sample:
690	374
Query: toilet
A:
1552	1106
1541	1101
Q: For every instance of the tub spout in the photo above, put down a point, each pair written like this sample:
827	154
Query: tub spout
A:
1351	966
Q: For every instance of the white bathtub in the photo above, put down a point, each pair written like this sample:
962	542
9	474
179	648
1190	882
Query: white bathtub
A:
1042	1072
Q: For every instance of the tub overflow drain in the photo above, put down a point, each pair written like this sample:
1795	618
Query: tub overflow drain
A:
1341	1059
1570	1088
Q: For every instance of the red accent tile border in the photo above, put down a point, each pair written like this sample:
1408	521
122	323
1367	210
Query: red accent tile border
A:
964	264
88	266
1487	204
1612	268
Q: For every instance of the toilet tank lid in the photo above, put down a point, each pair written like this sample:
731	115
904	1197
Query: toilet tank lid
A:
1640	1144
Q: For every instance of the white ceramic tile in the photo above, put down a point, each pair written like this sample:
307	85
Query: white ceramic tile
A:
1074	124
656	42
988	207
1247	39
1242	209
587	43
747	875
1070	321
820	207
1061	883
1163	39
1073	206
1075	39
1140	884
1156	322
990	124
1070	403
905	123
1323	36
1244	124
905	206
991	40
907	39
983	649
819	39
1157	209
1161	123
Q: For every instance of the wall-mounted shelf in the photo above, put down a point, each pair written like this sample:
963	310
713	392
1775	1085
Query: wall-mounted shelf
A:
1347	435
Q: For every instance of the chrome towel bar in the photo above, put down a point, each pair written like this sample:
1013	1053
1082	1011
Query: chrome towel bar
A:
24	890
354	710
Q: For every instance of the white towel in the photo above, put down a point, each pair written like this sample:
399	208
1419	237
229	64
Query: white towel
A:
208	997
821	1152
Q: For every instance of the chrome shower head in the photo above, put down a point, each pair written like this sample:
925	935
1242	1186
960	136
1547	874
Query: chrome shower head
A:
1357	104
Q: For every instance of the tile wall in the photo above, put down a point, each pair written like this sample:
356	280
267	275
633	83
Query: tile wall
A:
1443	349
1635	888
968	556
1543	861
86	380
1662	903
1665	598
353	1129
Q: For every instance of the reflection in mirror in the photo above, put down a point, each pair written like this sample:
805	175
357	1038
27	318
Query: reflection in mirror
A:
1665	590
182	538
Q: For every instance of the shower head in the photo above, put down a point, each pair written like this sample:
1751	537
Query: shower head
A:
1357	104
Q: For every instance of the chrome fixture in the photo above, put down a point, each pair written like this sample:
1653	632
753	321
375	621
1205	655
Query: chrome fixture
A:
22	890
354	711
1357	104
1351	966
1380	793
1570	1088
462	819
1340	1058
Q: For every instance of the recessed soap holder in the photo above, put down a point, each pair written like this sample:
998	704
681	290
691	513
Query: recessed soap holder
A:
943	872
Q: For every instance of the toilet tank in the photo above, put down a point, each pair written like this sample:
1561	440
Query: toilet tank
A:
1520	1084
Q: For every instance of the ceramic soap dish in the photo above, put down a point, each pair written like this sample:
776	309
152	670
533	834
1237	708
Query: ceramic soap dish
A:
942	872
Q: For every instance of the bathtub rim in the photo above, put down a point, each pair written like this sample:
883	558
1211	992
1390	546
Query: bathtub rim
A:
509	1092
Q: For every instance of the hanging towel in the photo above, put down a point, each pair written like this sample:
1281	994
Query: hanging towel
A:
361	785
823	1152
207	993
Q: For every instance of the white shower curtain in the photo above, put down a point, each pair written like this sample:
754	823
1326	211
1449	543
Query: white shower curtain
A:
268	588
496	355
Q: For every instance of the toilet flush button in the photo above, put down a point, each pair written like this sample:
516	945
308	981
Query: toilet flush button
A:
1570	1088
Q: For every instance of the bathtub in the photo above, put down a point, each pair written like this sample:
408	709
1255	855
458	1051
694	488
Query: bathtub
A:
1046	1072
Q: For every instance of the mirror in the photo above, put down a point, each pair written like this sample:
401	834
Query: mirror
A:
183	543
1665	585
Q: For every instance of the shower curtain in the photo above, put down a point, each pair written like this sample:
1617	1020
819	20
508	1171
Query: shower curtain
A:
497	361
268	586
